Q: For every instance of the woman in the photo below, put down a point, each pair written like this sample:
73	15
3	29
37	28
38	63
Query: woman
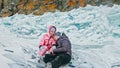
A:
47	41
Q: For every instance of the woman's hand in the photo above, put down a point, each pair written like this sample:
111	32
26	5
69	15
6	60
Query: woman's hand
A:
51	51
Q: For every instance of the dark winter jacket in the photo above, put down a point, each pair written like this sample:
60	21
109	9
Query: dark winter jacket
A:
63	45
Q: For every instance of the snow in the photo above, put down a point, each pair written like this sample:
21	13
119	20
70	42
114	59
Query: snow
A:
94	33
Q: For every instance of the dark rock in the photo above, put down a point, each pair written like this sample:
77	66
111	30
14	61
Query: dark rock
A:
39	7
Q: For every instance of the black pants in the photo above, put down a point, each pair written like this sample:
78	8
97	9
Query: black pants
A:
57	60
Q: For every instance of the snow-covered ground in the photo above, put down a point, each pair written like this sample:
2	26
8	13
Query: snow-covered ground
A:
94	33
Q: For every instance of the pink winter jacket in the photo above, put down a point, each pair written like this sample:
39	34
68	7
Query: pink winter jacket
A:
44	43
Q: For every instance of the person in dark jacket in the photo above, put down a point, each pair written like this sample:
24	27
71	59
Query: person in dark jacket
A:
61	55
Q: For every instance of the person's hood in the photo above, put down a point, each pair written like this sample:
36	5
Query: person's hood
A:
50	27
63	36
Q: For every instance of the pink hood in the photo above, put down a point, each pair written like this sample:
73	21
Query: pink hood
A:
51	26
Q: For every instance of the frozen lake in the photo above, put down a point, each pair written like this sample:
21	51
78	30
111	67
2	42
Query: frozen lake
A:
94	33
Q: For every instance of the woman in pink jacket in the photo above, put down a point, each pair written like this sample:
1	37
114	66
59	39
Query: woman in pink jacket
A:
47	41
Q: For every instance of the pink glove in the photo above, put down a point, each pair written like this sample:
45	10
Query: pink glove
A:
42	50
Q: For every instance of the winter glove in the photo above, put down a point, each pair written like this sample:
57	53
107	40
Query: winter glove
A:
55	45
51	50
42	50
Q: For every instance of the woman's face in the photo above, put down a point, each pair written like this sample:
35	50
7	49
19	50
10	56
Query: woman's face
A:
55	37
52	33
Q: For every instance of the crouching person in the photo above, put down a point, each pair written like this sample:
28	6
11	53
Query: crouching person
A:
61	55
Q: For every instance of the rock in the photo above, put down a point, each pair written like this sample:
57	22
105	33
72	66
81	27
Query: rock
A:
30	6
6	2
116	1
71	4
5	12
39	7
62	4
82	3
36	12
51	7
